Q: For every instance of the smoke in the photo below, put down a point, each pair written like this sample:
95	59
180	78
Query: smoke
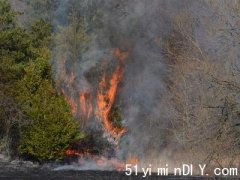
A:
138	27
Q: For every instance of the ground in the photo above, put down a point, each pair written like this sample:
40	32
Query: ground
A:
26	170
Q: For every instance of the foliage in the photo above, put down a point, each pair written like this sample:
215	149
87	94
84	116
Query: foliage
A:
41	32
72	38
42	9
7	15
14	53
33	116
53	129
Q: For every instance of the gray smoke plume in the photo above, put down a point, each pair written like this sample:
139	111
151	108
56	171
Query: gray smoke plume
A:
139	27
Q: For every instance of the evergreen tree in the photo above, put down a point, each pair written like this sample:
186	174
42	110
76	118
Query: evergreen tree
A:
33	116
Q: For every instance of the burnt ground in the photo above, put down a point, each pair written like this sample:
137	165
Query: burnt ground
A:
18	172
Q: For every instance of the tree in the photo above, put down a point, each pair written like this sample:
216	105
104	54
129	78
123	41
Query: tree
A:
14	53
52	128
72	38
34	119
204	97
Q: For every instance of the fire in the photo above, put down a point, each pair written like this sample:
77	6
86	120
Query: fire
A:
106	99
132	160
72	152
85	105
102	161
121	55
107	95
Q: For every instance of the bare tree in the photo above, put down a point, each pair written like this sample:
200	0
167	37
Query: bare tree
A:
205	97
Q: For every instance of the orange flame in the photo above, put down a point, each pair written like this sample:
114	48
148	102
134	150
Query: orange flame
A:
102	161
86	106
132	160
121	55
72	152
107	96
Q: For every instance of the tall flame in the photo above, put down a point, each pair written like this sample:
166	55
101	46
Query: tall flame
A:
106	99
120	55
107	95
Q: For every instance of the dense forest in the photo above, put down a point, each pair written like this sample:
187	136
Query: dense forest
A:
173	72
